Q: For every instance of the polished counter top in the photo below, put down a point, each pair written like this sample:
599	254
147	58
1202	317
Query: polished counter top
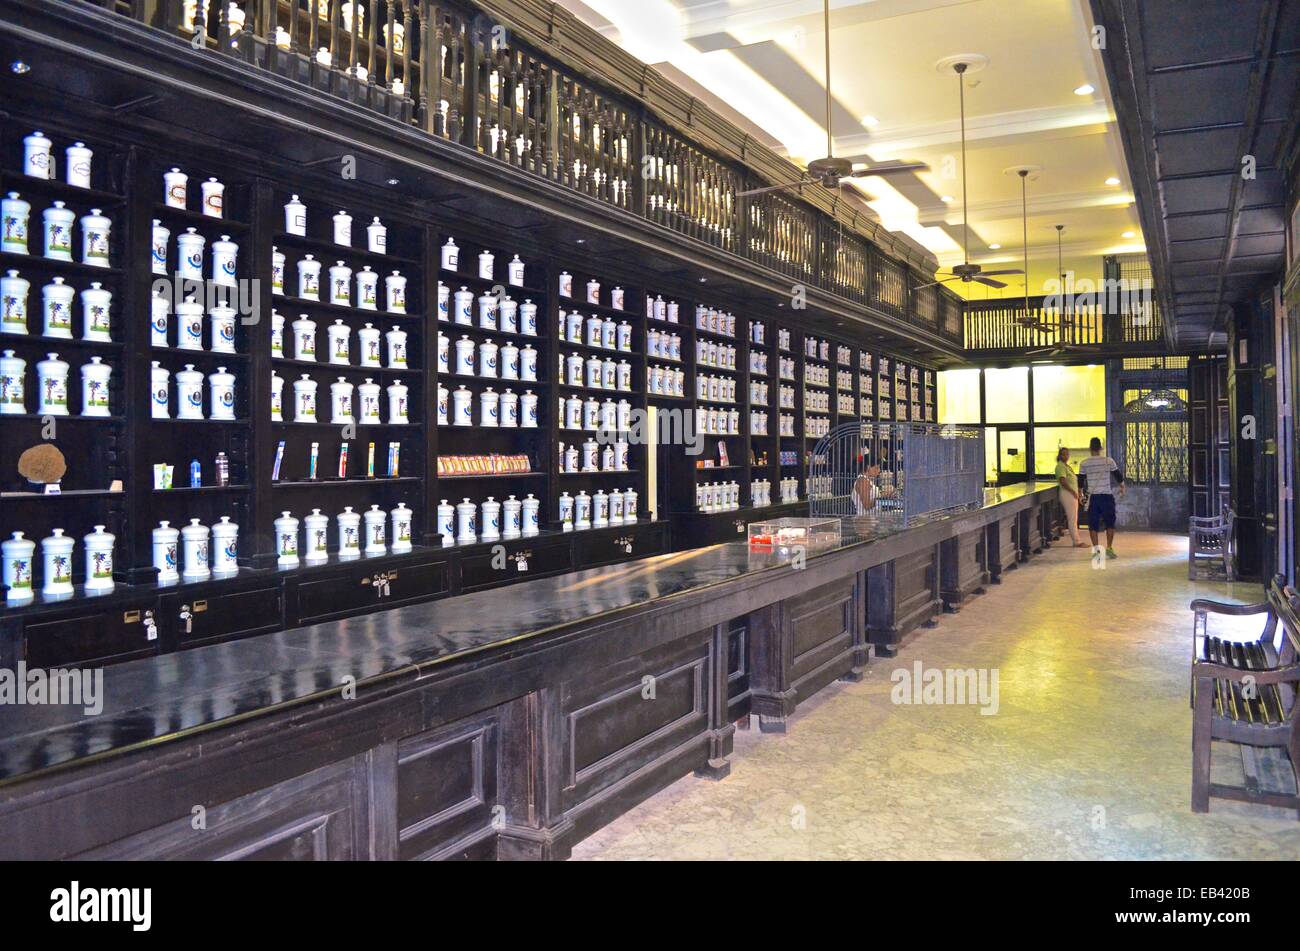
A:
166	697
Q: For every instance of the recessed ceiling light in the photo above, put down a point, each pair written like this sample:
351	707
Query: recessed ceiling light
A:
704	280
19	68
947	199
1085	90
1129	234
870	121
1112	180
994	247
582	241
392	181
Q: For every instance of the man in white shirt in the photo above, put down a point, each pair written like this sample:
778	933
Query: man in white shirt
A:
1096	470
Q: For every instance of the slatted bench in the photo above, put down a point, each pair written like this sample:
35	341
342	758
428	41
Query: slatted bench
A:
1244	692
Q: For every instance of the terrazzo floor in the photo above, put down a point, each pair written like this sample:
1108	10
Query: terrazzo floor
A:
1088	755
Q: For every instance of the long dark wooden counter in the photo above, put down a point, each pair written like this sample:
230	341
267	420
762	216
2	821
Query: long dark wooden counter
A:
505	723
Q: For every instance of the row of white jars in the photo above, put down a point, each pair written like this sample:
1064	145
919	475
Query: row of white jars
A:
787	424
593	291
758	422
349	403
715	321
790	490
577	412
817	401
295	223
57	226
189	393
710	353
716	421
467	523
758	362
340	278
665	381
847	404
487	359
758	393
590	456
222	322
595	373
38	160
356	534
599	510
190	247
503	314
663	345
601	332
656	308
506	410
786	368
719	389
760	493
717	496
195	551
817	375
339	343
52	386
486	264
816	426
212	193
19	555
56	308
786	397
816	348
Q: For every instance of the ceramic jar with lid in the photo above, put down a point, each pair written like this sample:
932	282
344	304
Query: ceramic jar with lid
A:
95	229
221	392
165	539
349	523
286	540
18	553
57	299
401	535
52	386
99	560
375	520
15	215
13	303
316	527
94	387
225	547
56	557
13	372
96	306
58	221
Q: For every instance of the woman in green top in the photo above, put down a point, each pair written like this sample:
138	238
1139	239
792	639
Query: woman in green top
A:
1067	489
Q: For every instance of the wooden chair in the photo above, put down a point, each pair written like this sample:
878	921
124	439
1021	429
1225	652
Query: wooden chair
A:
1210	542
1245	692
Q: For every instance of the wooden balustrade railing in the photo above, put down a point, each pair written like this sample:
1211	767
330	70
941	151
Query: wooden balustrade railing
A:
448	69
1083	320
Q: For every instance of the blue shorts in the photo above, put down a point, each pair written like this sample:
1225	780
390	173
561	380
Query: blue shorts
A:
1101	512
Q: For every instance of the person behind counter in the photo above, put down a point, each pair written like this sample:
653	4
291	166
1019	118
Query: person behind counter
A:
866	491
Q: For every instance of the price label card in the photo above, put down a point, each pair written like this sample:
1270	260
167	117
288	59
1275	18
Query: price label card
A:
740	528
628	548
523	564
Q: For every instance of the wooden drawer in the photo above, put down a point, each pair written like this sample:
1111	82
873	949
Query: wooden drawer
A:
353	589
500	563
225	615
90	636
610	545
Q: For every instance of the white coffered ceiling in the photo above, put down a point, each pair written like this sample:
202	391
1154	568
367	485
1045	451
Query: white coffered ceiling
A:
760	63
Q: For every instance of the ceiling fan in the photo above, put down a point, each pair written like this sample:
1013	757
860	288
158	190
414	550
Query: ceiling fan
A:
830	171
966	272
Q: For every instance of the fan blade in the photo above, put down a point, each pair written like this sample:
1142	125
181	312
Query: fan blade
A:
1011	270
889	168
981	279
769	188
942	280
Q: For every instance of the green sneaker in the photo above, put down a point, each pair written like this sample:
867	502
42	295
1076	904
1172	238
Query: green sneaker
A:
1110	553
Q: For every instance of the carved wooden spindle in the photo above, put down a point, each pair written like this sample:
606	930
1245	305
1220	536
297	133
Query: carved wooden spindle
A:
372	49
413	74
455	76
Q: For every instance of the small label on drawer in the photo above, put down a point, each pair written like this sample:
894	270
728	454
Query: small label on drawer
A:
628	548
523	564
740	528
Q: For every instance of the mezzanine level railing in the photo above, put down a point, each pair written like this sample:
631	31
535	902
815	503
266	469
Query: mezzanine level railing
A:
451	70
1094	321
